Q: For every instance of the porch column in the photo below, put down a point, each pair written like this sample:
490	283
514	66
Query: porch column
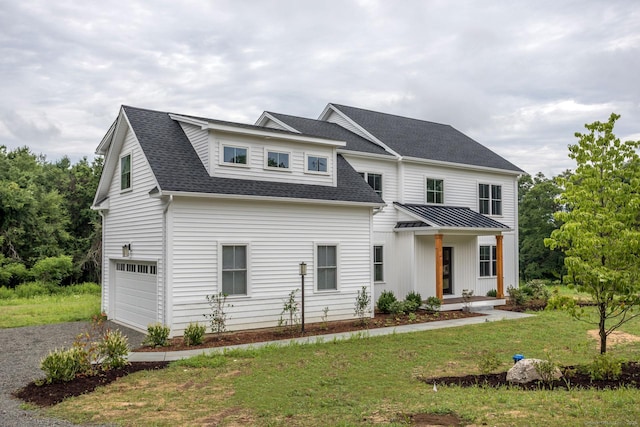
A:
439	266
499	267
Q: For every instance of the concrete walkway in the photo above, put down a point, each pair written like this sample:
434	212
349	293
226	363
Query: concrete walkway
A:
490	316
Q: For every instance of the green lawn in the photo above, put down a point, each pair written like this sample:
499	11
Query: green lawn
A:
367	381
46	309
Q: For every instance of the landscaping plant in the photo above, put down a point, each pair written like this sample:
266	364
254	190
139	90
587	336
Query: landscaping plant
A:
433	304
65	364
113	349
363	306
413	301
157	335
385	300
218	316
194	334
290	307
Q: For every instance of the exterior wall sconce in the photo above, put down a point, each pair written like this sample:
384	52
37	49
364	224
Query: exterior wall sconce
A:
126	250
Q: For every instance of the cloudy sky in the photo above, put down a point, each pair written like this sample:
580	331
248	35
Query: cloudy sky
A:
521	77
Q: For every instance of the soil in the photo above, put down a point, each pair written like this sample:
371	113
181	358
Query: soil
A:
273	334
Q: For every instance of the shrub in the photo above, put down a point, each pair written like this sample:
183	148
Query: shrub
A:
411	306
31	289
157	335
605	367
218	316
414	297
492	293
6	293
65	365
433	304
518	297
536	289
194	334
385	300
362	305
488	362
12	273
560	302
398	307
113	350
53	269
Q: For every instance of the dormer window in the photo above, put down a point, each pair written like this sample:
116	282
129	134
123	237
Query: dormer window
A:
277	160
235	155
125	172
317	164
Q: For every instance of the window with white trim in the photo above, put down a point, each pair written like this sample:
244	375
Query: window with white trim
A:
435	191
374	180
317	164
490	199
277	160
327	268
488	261
125	172
378	264
234	269
234	155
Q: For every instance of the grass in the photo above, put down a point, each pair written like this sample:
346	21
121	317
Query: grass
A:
366	381
48	309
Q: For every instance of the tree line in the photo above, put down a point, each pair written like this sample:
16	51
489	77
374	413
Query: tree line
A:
48	230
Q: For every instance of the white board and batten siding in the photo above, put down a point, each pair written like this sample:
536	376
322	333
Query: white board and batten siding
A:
133	218
278	237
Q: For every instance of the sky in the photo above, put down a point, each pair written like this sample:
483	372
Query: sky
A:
519	76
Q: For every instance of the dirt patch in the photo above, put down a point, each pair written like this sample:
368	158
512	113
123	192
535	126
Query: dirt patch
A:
573	377
426	420
311	329
614	338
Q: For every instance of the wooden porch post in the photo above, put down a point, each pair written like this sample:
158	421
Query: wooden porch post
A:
499	267
439	266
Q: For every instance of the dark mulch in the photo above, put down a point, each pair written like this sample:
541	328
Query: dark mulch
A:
50	394
574	377
380	320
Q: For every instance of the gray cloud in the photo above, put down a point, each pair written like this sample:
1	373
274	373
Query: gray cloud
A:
521	77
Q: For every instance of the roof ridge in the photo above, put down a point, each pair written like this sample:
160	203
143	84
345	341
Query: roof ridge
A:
391	115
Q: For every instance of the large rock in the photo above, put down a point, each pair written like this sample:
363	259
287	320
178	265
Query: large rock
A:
527	370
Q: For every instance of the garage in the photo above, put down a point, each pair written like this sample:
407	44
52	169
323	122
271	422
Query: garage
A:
136	299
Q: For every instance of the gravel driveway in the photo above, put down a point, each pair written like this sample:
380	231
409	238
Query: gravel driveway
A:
21	350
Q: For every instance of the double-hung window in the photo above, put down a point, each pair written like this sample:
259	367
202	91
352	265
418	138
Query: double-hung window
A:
490	199
488	264
374	180
435	191
125	172
378	264
234	269
327	267
234	155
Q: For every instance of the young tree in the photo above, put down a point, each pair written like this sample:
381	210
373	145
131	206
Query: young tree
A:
600	234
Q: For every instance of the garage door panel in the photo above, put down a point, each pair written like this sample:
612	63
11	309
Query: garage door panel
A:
136	301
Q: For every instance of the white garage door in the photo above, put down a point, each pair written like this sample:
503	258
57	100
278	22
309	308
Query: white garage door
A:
136	299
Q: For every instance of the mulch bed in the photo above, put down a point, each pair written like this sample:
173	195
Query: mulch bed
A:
575	377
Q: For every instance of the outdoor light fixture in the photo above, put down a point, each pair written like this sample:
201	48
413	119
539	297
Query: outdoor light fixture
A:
303	272
303	268
126	250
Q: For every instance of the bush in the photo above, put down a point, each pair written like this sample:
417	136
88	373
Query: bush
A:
411	306
157	335
113	350
536	289
53	269
433	304
362	305
31	289
488	362
518	297
605	367
385	300
6	293
560	302
13	273
194	334
492	293
414	297
398	307
65	365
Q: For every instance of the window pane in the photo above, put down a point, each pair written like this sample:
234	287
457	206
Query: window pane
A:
229	154
322	164
240	261
240	283
235	155
227	282
377	273
125	172
496	192
227	257
483	191
484	207
377	254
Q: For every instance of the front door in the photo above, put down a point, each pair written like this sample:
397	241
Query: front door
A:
447	270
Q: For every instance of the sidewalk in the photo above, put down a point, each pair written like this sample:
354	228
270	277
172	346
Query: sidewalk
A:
490	316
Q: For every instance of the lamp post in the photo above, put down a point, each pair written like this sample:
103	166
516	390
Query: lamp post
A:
303	272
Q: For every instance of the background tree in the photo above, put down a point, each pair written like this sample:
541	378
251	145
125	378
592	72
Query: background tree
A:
600	234
538	201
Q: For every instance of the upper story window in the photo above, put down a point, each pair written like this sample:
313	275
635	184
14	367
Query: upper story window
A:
125	172
317	164
374	180
435	191
277	160
235	155
490	199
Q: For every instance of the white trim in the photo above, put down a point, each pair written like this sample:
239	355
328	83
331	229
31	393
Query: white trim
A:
365	155
224	145
306	163
444	192
464	166
247	245
491	184
315	267
491	261
267	116
268	150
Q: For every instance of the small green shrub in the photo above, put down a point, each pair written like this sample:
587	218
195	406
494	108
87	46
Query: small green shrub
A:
157	335
518	297
433	304
65	365
362	305
488	362
54	269
6	293
113	349
492	293
605	367
385	300
194	334
560	302
398	307
411	306
536	289
12	273
31	289
218	316
415	297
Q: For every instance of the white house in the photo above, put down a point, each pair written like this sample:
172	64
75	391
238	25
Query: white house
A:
193	207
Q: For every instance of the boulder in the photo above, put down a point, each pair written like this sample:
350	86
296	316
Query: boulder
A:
527	370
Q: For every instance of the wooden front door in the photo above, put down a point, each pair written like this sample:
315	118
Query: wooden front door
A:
447	270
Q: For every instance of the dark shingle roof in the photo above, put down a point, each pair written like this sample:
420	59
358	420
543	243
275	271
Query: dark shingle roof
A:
332	131
178	168
426	140
451	216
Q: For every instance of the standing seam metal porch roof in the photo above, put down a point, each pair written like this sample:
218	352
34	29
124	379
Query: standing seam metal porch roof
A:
449	217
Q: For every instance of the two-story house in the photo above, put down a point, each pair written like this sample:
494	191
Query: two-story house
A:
192	207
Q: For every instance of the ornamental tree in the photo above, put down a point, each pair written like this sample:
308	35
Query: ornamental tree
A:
600	231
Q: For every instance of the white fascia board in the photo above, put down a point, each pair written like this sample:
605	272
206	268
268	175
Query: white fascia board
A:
102	206
266	133
106	140
267	116
370	137
116	138
270	199
416	216
461	166
365	155
450	231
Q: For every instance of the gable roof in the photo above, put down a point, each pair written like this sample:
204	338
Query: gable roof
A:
178	169
425	140
447	217
330	130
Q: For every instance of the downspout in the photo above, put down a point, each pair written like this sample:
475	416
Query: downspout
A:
165	280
